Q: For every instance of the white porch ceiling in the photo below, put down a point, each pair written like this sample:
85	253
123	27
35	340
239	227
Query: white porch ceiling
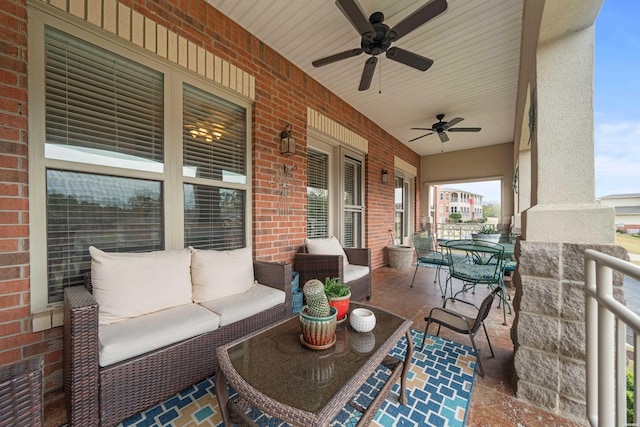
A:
475	46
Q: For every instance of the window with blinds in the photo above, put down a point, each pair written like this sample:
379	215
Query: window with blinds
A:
317	194
214	148
353	202
104	109
399	206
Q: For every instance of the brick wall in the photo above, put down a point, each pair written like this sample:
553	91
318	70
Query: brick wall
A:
283	94
16	340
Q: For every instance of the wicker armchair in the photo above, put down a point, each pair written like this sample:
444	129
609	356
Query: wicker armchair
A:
105	396
312	266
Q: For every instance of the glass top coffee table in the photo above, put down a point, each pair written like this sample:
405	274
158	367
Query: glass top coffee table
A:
272	371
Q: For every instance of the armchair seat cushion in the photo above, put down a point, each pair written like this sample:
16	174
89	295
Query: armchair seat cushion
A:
133	337
240	306
353	272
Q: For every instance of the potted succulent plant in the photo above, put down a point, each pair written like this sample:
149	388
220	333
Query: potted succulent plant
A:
317	318
338	294
487	234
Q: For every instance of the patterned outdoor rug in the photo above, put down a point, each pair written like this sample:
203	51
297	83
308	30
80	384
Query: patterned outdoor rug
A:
439	384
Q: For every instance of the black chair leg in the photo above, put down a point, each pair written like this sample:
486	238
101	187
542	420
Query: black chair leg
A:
475	350
414	273
488	340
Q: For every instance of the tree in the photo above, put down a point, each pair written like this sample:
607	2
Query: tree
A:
455	217
491	209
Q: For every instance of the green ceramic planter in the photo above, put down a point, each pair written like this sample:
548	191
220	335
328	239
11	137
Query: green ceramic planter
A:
318	331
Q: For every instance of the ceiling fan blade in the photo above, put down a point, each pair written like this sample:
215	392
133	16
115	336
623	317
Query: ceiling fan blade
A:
443	136
465	129
352	11
452	122
417	18
420	137
336	57
367	73
420	129
409	58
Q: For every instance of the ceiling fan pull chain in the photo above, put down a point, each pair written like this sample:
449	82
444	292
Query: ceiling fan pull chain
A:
380	78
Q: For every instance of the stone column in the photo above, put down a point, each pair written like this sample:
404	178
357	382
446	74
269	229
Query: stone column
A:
564	218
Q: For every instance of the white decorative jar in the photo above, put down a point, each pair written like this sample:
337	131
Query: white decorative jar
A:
362	319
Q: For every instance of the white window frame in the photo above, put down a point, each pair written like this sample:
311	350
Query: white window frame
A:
172	178
409	210
358	209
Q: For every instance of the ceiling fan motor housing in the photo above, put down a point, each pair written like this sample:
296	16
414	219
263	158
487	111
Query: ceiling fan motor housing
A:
381	41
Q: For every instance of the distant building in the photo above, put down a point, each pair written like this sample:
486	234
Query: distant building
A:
452	200
627	210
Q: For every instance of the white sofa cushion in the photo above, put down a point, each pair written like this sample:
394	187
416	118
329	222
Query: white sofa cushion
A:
353	272
219	274
127	285
326	246
133	337
237	307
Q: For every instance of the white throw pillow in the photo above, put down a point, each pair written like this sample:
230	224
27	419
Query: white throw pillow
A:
219	274
327	246
128	285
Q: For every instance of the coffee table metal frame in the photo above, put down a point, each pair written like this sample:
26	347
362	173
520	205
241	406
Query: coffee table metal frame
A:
235	410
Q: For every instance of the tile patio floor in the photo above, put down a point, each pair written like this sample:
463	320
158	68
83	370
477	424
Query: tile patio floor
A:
493	402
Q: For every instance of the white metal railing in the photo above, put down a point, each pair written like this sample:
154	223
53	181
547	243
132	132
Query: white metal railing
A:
454	230
606	325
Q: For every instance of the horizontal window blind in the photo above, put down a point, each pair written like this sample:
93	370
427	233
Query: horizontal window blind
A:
214	217
352	175
317	194
98	100
215	137
111	213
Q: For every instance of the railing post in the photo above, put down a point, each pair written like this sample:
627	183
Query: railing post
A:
606	323
606	347
591	326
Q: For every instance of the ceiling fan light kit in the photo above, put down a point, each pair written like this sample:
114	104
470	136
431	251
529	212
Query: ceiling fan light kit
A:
377	37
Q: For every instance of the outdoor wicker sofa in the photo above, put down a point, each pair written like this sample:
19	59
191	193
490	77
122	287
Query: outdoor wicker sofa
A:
323	265
106	395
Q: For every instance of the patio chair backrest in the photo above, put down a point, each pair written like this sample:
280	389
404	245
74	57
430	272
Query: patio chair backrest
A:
475	262
484	309
423	242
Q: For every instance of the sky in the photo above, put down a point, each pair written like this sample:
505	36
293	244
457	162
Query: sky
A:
616	104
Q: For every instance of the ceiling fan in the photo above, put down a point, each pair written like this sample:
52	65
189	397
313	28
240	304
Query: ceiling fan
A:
442	127
377	37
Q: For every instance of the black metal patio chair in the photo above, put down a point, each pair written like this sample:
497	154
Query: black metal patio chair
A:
427	255
478	262
463	323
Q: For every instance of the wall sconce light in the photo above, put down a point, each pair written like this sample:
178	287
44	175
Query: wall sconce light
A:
287	143
385	176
